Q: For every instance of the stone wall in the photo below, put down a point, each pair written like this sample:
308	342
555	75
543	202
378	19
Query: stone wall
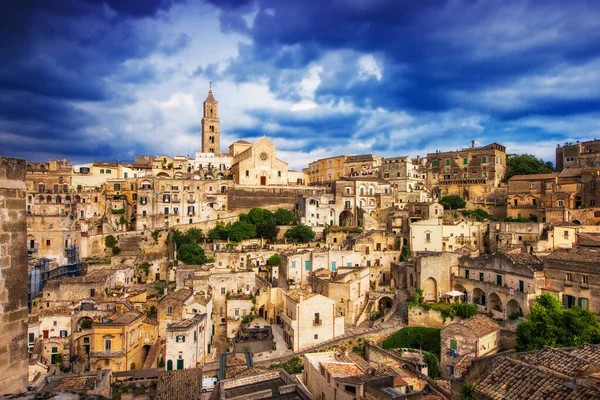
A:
428	318
13	277
247	198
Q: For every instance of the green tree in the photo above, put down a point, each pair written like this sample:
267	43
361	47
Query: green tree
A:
241	230
219	232
550	324
283	216
275	259
110	241
525	164
180	238
453	202
267	230
300	234
259	216
195	235
191	253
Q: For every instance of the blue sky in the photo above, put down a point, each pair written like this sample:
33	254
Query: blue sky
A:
110	79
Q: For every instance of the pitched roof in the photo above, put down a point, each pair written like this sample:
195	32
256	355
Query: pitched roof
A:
481	325
210	96
512	379
558	360
533	177
180	295
588	352
295	294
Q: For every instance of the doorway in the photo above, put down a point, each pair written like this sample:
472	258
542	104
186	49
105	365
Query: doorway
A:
263	180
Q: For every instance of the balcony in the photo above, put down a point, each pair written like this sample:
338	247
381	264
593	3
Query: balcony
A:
318	322
530	206
287	320
568	283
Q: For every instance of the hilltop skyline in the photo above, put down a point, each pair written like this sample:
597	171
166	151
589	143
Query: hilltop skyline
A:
113	79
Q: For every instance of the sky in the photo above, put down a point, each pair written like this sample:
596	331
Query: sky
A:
110	79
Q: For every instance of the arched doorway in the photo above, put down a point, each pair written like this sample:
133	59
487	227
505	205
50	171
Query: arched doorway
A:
513	307
84	323
170	365
430	290
462	289
494	303
346	218
384	304
478	297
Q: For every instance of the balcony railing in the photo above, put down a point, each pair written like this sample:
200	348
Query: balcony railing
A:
107	354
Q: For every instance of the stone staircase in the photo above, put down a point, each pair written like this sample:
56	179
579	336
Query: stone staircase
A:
152	356
401	313
130	245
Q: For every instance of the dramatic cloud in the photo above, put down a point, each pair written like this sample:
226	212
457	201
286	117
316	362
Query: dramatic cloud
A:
111	79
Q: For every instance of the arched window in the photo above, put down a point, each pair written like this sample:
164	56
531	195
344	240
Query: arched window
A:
58	200
65	188
55	188
41	188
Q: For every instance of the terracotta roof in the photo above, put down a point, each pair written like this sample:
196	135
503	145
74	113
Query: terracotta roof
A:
570	173
481	325
588	352
296	293
341	370
180	295
579	254
533	177
525	259
124	319
512	379
183	384
558	360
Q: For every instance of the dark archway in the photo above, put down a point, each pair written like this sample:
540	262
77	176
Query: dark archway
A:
346	218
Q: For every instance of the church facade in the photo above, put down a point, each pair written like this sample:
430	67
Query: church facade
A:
256	164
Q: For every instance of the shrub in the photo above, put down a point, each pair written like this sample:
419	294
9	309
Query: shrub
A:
462	310
118	211
453	202
433	364
415	337
300	233
275	259
292	366
116	250
110	241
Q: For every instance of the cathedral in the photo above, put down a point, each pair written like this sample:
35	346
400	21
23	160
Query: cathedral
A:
252	164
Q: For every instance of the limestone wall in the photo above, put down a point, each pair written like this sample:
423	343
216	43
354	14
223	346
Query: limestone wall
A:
428	318
13	277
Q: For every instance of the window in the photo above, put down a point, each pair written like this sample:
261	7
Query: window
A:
583	303
533	185
293	264
521	286
333	266
169	310
428	237
499	280
453	345
180	339
481	277
117	186
92	292
317	320
347	204
467	273
592	203
108	171
166	210
222	290
447	162
31	337
465	160
107	344
484	159
143	200
566	235
436	163
63	333
585	279
247	173
101	171
48	240
131	337
569	277
55	349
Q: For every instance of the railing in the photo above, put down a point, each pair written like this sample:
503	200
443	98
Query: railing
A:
107	354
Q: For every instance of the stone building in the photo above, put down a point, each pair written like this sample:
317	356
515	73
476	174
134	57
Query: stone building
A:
506	236
571	274
529	195
578	155
348	287
256	164
358	200
186	342
253	383
122	342
13	277
362	165
473	173
325	171
501	284
434	235
309	319
408	176
211	132
464	340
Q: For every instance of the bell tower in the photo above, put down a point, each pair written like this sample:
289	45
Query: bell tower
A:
211	138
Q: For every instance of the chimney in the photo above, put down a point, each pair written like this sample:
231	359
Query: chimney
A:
472	144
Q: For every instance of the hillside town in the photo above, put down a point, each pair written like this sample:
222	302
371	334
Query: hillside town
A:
227	275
